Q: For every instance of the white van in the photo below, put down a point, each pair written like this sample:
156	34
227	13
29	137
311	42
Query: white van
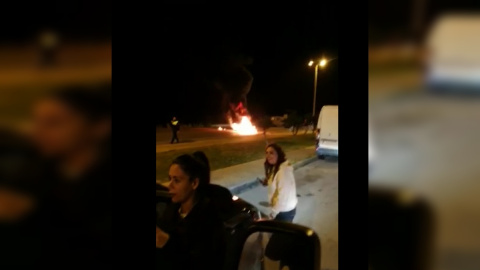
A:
327	141
453	54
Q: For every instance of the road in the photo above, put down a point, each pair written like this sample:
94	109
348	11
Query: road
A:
317	191
203	137
429	145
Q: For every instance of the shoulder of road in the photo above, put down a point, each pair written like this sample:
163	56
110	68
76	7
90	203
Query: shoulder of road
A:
242	177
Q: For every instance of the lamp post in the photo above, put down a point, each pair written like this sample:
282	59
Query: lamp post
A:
322	63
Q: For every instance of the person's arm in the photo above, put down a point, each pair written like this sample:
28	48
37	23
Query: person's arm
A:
161	238
284	182
167	239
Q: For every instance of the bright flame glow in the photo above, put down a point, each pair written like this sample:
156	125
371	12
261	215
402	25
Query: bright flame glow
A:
245	127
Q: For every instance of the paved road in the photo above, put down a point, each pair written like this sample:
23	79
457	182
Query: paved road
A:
202	137
429	145
317	188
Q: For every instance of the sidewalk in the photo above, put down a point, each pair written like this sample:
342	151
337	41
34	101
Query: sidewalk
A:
242	177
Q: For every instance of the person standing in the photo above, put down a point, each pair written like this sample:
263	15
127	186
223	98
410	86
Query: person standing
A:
175	126
49	47
282	193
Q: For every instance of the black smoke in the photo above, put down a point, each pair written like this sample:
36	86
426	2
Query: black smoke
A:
234	82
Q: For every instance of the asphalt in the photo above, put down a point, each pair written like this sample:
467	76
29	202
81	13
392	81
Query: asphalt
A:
428	145
317	192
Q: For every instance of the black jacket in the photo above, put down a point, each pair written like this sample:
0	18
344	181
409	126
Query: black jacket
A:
196	241
78	218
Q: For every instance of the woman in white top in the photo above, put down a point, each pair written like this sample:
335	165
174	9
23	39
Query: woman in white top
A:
282	193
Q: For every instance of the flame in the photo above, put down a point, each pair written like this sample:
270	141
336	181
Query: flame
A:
245	127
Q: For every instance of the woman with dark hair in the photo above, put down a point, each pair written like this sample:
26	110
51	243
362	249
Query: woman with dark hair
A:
200	156
72	132
190	234
220	197
280	180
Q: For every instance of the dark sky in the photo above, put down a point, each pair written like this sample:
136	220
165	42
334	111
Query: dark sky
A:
393	18
191	47
280	43
73	19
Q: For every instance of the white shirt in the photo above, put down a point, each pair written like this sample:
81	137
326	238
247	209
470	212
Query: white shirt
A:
282	190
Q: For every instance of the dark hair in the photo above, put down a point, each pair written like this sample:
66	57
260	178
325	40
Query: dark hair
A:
92	102
200	156
195	168
269	169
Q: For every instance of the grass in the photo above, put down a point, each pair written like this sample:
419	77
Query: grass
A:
392	68
226	155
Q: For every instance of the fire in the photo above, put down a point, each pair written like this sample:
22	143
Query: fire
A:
245	127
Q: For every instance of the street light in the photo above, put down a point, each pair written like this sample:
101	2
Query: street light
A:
322	63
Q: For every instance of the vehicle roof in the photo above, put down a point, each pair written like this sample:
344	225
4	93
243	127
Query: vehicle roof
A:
454	25
455	36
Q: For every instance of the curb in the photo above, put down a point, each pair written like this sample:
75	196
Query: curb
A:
250	184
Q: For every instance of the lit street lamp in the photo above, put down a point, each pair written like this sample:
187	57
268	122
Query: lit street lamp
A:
322	63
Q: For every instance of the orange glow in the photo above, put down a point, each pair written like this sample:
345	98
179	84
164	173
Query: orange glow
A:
245	127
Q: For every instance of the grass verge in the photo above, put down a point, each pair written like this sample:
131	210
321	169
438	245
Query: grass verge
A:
226	155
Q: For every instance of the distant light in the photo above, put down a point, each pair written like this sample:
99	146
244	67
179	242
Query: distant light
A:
310	63
323	62
219	128
234	198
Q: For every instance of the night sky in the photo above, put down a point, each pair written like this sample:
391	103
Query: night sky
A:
190	48
73	19
393	19
276	47
194	47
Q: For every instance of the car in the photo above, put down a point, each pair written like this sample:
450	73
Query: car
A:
240	207
247	232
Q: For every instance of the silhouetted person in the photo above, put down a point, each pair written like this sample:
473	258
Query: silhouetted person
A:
20	185
48	46
72	131
175	127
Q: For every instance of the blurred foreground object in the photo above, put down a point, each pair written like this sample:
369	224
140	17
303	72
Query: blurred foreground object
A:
23	81
20	182
72	131
400	231
20	176
14	205
453	53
